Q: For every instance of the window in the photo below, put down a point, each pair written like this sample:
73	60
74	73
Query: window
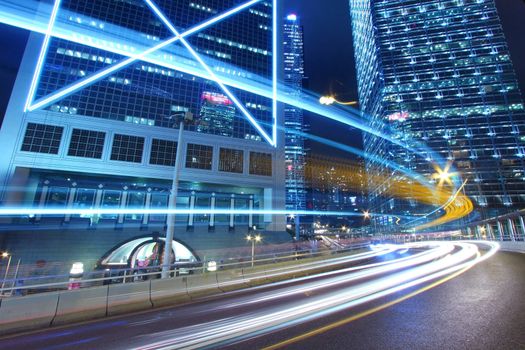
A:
159	201
199	156
86	143
231	160
84	199
42	138
135	201
127	148
163	152
260	164
110	201
57	197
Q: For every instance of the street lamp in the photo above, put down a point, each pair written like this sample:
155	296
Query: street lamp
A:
443	175
330	100
172	203
5	255
366	214
253	239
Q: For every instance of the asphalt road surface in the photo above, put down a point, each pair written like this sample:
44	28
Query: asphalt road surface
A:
483	308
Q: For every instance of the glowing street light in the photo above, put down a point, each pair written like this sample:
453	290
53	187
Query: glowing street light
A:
253	239
443	175
366	214
5	255
330	100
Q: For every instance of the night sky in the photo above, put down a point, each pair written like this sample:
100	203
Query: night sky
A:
329	60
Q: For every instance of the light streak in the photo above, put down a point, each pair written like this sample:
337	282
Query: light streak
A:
14	14
20	211
275	54
42	55
229	330
178	37
213	76
363	314
254	84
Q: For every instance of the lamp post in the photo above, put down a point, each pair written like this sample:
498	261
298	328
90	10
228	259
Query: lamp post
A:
172	202
5	255
253	239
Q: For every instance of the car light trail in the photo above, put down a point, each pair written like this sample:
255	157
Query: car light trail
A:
371	270
450	258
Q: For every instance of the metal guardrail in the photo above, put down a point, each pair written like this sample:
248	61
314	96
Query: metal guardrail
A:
33	285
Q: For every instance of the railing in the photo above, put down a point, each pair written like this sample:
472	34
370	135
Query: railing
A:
41	284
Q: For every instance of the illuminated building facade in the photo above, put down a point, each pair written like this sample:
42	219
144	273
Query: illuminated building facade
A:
112	143
336	184
295	151
217	114
440	72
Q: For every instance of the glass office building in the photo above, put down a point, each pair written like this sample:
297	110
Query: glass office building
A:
295	151
111	143
440	72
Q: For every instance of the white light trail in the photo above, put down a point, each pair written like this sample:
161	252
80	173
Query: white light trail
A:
30	211
416	272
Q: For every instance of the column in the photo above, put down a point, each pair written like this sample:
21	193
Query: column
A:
479	234
512	231
98	201
469	232
522	225
231	227
250	215
192	208
490	233
211	225
268	199
70	202
42	200
123	203
147	205
500	230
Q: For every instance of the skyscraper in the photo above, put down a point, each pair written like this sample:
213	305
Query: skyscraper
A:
217	114
293	117
336	184
92	140
440	72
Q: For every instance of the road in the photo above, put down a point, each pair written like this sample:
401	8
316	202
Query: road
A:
482	308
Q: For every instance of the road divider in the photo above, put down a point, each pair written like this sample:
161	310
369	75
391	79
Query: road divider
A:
36	311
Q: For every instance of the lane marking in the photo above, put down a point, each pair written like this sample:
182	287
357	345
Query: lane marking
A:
360	315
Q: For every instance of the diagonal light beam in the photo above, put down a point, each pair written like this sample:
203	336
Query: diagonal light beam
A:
212	75
42	55
65	91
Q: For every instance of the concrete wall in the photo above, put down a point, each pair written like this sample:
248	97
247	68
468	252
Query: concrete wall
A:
36	311
517	247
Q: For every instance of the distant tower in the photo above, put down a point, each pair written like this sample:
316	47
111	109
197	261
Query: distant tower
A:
440	72
293	117
216	115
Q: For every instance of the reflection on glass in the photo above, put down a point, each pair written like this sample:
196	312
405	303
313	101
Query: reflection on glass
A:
182	203
202	202
135	201
110	200
84	199
158	201
57	197
222	203
241	204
